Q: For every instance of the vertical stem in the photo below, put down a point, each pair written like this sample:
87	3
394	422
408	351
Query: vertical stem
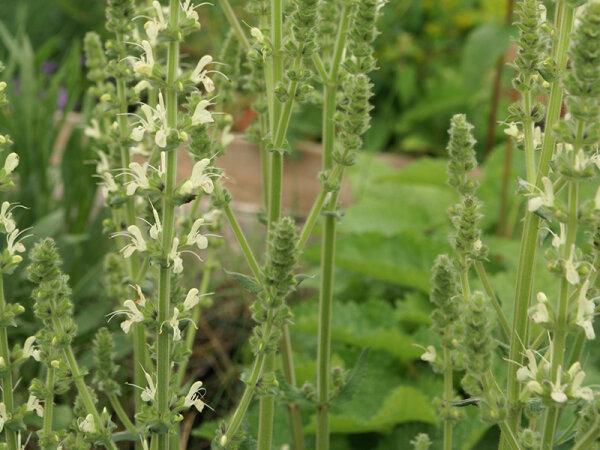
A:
560	335
49	403
235	23
163	348
501	229
191	330
267	402
324	332
448	394
328	242
7	379
139	331
520	331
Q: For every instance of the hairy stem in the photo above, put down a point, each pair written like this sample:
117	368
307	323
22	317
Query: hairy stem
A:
527	256
7	379
163	347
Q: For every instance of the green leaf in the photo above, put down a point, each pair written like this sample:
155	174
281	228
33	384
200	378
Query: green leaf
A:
404	259
301	277
397	207
355	378
292	394
403	404
370	324
423	171
484	46
251	284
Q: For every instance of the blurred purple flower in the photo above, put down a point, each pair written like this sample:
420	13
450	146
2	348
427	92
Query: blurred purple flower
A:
63	96
49	66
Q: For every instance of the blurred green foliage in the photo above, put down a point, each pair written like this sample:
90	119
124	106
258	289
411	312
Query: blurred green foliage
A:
435	57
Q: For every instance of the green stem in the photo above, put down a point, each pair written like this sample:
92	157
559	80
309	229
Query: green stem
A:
163	347
139	332
7	379
337	175
527	256
235	23
49	404
324	332
82	388
480	269
122	414
289	375
191	330
257	371
328	241
560	335
242	241
448	394
264	158
588	440
528	126
267	402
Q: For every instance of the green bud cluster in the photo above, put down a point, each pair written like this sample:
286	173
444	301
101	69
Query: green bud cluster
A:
231	54
120	15
580	131
282	258
461	150
52	295
362	33
444	295
353	117
465	218
532	43
329	12
303	23
465	215
478	342
583	80
421	442
105	365
95	58
270	311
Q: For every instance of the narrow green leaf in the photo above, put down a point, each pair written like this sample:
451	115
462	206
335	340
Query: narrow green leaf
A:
251	284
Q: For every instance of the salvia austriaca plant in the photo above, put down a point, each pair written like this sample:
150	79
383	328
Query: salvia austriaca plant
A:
546	340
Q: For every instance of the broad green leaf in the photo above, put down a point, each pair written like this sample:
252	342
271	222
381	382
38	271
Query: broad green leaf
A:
355	378
403	404
404	259
484	46
370	324
422	171
395	207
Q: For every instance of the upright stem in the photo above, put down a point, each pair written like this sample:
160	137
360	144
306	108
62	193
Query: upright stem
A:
49	403
448	394
328	242
235	23
163	348
560	335
139	332
82	387
7	379
527	256
191	330
267	402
